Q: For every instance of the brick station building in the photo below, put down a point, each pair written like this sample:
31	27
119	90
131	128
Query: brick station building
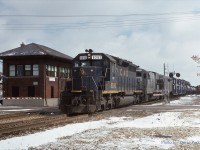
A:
34	75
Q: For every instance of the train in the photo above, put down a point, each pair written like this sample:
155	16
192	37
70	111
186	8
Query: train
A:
101	81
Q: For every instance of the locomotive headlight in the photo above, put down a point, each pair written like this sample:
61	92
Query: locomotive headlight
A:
91	70
82	72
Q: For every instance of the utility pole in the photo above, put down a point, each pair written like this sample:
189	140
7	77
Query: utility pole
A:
164	69
165	87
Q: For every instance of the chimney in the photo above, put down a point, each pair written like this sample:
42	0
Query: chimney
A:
22	44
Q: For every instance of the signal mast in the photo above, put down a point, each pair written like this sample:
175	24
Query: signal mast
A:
196	58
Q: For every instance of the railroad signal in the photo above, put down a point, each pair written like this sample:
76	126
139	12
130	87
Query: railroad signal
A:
196	58
89	50
171	74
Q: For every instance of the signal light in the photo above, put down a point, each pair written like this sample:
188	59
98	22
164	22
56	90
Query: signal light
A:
178	75
171	75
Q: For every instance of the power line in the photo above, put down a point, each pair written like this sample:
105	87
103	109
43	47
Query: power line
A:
98	24
101	22
106	15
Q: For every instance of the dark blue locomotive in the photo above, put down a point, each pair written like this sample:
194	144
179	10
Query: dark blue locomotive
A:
101	81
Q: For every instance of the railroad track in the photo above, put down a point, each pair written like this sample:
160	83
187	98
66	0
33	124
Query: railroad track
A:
151	102
155	101
16	115
23	122
23	126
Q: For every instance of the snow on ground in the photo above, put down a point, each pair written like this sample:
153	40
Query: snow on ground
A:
185	100
168	130
15	110
95	127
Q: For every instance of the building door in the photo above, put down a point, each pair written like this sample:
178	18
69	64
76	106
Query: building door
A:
52	92
15	91
31	91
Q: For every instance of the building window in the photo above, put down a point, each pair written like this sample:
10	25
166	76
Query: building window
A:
62	72
51	71
24	70
35	70
28	70
68	73
20	70
55	71
12	70
65	72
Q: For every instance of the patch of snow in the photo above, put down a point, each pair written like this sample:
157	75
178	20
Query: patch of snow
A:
41	52
8	107
10	54
183	100
192	140
129	110
48	136
153	121
157	104
103	138
13	110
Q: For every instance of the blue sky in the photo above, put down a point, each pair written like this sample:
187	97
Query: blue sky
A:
147	32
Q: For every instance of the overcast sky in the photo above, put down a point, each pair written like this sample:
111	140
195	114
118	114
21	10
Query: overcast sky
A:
147	32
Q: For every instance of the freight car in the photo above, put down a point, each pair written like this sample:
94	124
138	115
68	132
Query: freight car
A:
101	81
178	87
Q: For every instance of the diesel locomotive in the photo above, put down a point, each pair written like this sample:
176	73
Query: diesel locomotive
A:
101	81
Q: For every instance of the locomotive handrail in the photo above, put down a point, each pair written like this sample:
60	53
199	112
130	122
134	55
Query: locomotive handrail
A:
101	84
105	75
95	83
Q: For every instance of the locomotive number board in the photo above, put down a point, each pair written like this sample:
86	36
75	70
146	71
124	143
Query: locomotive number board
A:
95	57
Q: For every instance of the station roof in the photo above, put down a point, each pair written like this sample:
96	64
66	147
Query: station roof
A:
33	50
